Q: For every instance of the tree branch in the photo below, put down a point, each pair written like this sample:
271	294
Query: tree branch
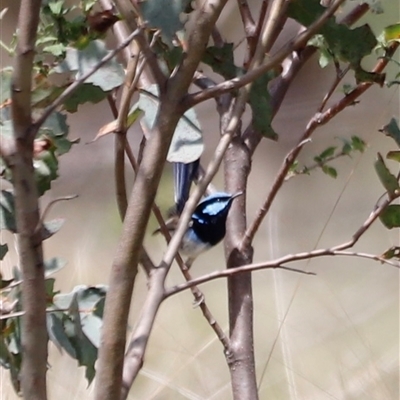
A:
338	250
299	41
291	67
317	120
29	240
124	270
247	19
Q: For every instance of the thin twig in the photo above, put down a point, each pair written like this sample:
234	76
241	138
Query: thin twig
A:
307	169
338	250
121	144
261	18
50	206
247	19
199	298
338	78
228	273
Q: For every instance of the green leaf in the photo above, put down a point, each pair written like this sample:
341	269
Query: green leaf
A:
260	103
44	94
49	288
328	152
86	296
5	87
56	331
46	170
325	56
221	60
348	88
329	171
364	76
390	217
91	326
392	129
187	143
56	7
57	129
86	93
166	15
53	265
7	211
387	179
393	155
57	49
85	350
392	33
108	77
51	227
393	252
3	250
348	45
3	284
358	144
4	353
99	308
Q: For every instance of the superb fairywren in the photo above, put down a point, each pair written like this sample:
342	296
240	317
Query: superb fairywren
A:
207	226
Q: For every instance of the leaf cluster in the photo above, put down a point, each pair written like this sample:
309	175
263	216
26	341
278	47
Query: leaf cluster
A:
73	322
322	161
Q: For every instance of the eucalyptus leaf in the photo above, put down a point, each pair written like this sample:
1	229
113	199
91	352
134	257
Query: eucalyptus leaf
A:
187	143
392	33
387	179
108	77
86	351
5	87
393	155
86	93
221	60
392	252
46	170
166	15
49	228
57	129
53	265
392	129
345	44
7	211
330	171
261	107
3	250
390	217
57	335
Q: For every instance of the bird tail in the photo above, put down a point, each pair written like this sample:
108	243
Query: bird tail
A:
184	174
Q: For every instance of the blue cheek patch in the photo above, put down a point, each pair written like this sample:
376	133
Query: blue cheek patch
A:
214	208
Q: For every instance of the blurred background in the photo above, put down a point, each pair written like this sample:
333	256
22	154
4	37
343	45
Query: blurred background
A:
330	336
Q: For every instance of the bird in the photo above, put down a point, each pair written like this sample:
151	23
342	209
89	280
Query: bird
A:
184	175
207	225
